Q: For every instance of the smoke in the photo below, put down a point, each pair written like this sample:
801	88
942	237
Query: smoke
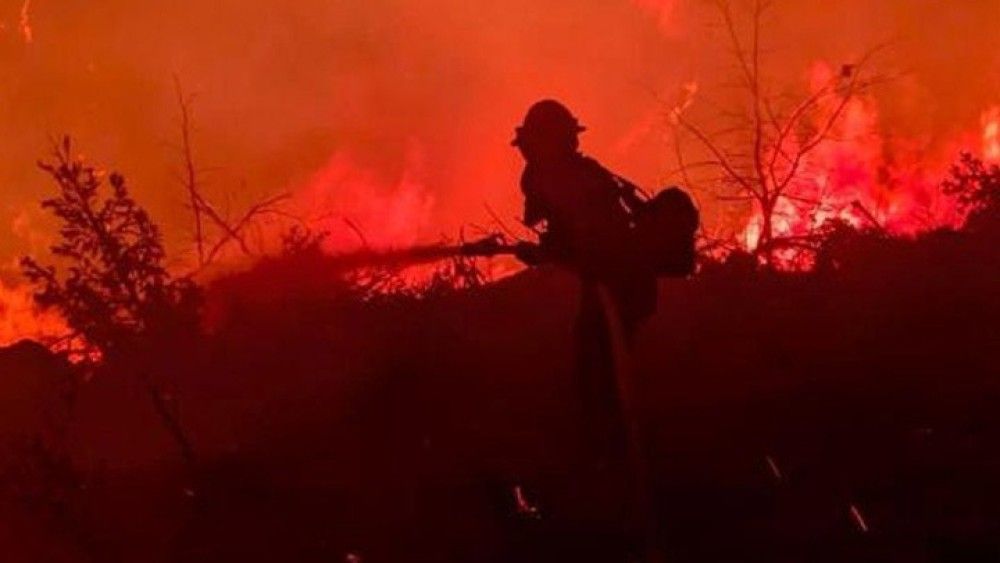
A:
397	114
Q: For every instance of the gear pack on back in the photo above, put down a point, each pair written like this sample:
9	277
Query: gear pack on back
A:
665	231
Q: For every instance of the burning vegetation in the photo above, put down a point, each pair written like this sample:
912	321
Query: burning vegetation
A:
300	359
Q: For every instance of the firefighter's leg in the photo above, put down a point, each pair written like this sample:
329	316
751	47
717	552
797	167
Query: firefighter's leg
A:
604	432
625	306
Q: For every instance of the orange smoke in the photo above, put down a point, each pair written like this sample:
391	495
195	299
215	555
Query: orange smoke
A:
662	10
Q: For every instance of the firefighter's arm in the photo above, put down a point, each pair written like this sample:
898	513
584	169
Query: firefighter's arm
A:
545	251
530	253
534	212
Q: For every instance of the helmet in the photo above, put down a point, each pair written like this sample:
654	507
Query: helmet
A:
548	118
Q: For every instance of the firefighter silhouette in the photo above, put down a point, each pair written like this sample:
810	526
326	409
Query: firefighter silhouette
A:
585	215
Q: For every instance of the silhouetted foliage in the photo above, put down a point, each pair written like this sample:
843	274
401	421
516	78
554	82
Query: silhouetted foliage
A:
777	402
386	285
976	184
113	285
302	240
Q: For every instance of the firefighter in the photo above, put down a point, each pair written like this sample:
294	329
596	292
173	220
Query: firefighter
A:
586	210
584	214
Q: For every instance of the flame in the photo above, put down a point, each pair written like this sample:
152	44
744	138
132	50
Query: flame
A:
396	69
25	22
651	121
991	134
21	318
354	205
863	177
685	98
358	208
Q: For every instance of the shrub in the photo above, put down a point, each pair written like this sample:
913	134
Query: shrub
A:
111	284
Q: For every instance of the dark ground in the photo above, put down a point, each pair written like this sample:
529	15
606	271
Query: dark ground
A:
395	431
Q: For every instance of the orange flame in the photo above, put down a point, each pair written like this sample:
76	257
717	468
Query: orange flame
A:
357	208
991	134
25	22
866	179
21	318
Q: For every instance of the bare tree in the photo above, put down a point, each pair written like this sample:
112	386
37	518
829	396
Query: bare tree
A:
762	149
213	230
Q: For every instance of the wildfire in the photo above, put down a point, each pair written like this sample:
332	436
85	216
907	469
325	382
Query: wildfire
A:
20	318
861	176
357	208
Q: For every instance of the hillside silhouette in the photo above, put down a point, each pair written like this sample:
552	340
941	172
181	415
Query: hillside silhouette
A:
845	413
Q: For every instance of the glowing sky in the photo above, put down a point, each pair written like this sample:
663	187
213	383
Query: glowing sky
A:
353	105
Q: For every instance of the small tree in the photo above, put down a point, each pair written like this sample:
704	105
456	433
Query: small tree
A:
111	284
762	146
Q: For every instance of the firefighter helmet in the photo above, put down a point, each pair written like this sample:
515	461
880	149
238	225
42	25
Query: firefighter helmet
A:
549	119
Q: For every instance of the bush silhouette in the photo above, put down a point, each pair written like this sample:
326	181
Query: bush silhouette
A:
111	284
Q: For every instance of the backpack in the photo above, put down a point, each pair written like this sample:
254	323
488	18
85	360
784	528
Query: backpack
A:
664	232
